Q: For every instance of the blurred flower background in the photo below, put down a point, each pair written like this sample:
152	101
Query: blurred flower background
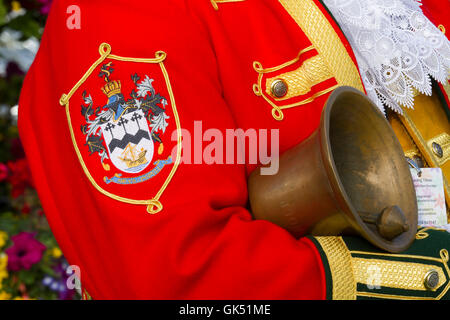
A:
31	264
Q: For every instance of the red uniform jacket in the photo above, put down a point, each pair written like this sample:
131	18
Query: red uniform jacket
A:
210	61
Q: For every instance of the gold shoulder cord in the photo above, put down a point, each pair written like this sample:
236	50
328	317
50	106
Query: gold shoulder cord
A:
153	205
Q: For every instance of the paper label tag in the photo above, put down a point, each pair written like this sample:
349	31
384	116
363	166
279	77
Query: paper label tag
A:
430	197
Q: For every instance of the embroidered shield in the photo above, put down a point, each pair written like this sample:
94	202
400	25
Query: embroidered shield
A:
128	140
125	122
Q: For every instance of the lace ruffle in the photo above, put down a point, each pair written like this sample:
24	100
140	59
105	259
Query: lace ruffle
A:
397	48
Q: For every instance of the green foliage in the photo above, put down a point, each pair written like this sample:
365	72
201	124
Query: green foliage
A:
3	13
10	89
27	25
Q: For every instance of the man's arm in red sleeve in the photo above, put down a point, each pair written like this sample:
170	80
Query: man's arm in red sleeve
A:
204	243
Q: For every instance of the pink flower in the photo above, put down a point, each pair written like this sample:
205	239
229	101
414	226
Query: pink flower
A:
46	4
25	251
3	172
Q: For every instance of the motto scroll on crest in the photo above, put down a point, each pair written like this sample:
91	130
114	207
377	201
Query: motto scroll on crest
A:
121	133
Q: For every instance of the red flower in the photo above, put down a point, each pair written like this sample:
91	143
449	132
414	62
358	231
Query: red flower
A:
26	209
3	172
25	252
20	177
17	149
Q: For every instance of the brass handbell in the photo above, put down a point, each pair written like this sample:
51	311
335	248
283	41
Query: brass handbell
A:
349	177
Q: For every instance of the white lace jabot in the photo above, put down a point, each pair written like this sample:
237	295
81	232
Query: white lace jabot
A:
397	48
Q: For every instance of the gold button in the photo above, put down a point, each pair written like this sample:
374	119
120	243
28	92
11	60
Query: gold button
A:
431	280
437	149
279	88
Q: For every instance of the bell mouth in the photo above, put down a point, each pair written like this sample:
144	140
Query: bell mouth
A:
365	174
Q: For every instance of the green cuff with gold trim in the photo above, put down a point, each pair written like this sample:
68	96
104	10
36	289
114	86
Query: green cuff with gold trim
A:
357	270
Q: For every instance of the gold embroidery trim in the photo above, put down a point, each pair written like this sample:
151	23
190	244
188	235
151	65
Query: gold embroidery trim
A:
299	82
442	28
443	140
394	274
277	112
153	205
444	258
215	2
330	49
325	39
340	261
